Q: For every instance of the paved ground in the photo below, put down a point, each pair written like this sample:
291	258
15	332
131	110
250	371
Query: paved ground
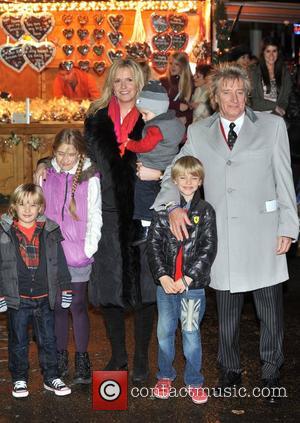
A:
42	406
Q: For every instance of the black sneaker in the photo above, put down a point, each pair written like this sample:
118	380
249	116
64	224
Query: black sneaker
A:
58	387
20	389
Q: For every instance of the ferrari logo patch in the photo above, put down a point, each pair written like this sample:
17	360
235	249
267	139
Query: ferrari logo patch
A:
196	219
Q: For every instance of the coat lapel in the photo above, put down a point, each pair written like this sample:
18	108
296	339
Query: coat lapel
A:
247	134
217	141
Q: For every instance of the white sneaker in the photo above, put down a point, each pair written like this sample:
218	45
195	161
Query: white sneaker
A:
20	389
58	387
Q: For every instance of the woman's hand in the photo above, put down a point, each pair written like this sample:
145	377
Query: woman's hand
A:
40	173
183	107
279	110
147	174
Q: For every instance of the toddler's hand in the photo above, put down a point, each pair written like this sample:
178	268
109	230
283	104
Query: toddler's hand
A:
66	299
3	305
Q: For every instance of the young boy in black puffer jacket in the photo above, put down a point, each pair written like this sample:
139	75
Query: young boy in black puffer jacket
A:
182	271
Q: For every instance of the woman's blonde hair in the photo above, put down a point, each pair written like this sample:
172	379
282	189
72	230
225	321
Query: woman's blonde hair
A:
24	192
185	85
75	138
187	164
107	91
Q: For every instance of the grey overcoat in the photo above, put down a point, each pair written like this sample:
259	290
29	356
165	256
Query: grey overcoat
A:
252	191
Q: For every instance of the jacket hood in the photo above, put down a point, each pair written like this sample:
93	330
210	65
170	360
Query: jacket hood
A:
6	222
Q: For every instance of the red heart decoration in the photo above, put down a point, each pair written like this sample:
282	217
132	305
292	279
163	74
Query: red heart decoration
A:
84	65
98	34
99	19
12	56
11	25
160	62
82	19
115	38
67	64
179	41
83	49
82	34
98	50
38	25
67	19
178	22
115	21
38	57
99	67
68	33
159	22
68	49
162	42
115	55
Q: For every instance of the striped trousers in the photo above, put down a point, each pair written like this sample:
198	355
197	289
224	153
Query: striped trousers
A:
269	309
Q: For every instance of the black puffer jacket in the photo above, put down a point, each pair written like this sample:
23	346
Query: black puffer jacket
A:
199	250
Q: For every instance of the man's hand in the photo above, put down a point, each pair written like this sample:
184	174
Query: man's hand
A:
178	220
283	245
40	173
147	174
168	284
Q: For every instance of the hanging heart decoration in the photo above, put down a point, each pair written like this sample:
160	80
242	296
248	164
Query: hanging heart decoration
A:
159	22
115	21
38	56
139	51
68	49
39	25
67	64
98	34
160	62
82	20
84	65
98	50
99	67
68	33
11	25
115	55
83	49
12	56
179	41
67	19
162	42
99	19
82	34
178	22
115	38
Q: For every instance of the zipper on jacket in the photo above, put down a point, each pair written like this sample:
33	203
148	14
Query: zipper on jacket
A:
65	199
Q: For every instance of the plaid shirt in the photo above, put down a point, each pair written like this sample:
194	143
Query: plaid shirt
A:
30	249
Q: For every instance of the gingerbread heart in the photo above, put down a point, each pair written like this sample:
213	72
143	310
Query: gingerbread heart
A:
12	56
177	22
115	38
115	21
68	49
83	49
115	55
98	34
39	56
67	64
82	20
98	50
162	42
159	22
11	25
82	34
68	33
84	65
160	62
141	51
99	19
99	67
39	25
179	41
67	19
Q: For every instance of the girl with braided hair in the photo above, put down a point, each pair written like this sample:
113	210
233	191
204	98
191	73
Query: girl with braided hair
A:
73	200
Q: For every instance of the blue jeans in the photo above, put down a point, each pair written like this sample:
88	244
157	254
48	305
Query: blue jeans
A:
38	312
189	308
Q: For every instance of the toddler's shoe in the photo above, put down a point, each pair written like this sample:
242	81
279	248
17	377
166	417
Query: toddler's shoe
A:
162	389
198	395
57	386
20	389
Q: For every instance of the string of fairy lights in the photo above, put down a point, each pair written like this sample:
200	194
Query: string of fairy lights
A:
10	6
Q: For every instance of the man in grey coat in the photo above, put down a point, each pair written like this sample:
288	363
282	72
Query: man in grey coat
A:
249	183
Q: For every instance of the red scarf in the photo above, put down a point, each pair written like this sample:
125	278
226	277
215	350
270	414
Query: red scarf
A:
122	129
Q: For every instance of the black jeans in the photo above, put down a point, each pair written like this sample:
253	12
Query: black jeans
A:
39	313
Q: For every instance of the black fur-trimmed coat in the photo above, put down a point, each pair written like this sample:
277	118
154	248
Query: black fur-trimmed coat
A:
116	277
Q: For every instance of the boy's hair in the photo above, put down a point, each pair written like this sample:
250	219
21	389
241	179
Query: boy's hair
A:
21	193
187	164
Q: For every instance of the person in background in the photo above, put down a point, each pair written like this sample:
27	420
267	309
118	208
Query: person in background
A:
271	81
75	84
200	102
180	86
33	271
240	55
